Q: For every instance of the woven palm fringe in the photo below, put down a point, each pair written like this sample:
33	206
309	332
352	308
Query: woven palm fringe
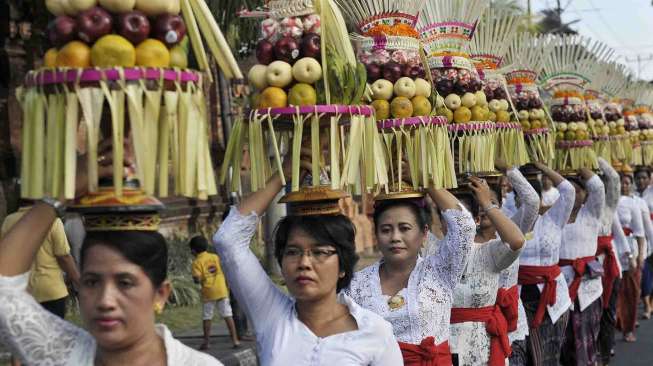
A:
603	150
476	151
541	147
636	158
575	158
618	148
511	147
647	152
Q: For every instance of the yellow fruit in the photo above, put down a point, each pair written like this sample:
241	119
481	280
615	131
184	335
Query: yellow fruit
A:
525	125
536	124
382	108
50	58
421	106
462	115
570	135
401	107
302	94
272	97
503	116
178	57
445	112
74	54
492	117
113	50
621	130
152	53
560	135
479	113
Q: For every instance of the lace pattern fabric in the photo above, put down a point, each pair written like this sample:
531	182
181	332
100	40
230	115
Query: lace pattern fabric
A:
428	297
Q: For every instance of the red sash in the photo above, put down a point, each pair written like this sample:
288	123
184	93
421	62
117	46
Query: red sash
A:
580	266
508	301
426	353
610	267
533	275
627	231
495	325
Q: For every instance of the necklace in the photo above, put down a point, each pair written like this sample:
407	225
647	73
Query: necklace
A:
396	302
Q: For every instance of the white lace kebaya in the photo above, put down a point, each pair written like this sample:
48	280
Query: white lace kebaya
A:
42	338
630	217
427	299
281	337
543	248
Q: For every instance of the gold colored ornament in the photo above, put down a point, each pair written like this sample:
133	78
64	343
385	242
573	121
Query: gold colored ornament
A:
158	309
395	302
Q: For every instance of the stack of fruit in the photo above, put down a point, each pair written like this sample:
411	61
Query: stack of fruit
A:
567	72
494	34
526	55
389	47
289	56
110	33
446	28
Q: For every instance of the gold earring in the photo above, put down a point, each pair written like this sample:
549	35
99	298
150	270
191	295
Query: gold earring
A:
158	308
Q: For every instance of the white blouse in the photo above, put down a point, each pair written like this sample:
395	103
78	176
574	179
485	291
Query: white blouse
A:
612	193
428	297
478	288
579	239
543	248
42	338
524	217
646	222
282	339
630	217
550	197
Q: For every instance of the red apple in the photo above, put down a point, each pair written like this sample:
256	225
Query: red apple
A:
265	52
392	71
62	30
287	49
169	29
134	26
311	46
93	24
373	72
414	71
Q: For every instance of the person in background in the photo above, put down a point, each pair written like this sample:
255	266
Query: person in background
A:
549	192
206	271
644	193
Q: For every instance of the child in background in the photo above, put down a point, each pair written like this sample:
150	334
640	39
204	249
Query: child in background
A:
206	271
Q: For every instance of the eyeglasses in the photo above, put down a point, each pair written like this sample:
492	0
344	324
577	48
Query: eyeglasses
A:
318	255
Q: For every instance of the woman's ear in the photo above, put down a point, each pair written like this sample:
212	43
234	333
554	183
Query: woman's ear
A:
162	293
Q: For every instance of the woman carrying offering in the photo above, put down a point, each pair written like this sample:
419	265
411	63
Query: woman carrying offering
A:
582	270
413	293
479	329
543	287
316	324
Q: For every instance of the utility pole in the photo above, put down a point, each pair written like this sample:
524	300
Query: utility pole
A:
641	62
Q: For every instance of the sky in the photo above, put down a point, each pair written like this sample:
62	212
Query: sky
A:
625	25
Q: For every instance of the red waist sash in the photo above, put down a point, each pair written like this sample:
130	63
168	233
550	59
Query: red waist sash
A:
627	231
610	267
495	325
580	266
508	301
426	353
533	275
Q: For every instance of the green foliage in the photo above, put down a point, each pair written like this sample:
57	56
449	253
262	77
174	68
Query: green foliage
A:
241	33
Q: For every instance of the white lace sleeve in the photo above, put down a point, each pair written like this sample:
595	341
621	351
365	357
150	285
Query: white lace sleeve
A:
450	255
595	197
612	185
37	336
530	202
619	238
498	255
561	209
636	222
262	300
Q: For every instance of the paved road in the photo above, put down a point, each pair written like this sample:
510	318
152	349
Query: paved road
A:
639	353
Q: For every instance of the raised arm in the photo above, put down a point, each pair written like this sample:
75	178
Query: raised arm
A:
555	177
561	209
621	243
595	193
450	255
612	185
529	200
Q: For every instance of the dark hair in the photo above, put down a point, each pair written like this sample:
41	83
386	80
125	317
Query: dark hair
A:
630	177
335	230
146	249
198	244
577	181
643	170
421	215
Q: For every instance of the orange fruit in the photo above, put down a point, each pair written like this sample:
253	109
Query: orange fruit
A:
113	50
74	54
152	53
50	58
272	97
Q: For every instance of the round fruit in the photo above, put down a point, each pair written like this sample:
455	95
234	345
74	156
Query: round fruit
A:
272	97
382	108
152	53
481	98
492	117
504	104
74	54
421	106
302	94
495	105
503	116
307	70
452	101
178	57
523	115
525	125
444	112
570	135
382	89
439	101
256	76
50	58
401	107
422	87
279	74
560	135
479	113
405	87
462	115
468	100
536	124
113	50
572	126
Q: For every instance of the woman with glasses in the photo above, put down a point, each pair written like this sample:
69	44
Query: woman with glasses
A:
314	324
